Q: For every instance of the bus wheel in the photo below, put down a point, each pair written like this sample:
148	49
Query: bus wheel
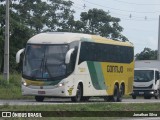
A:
120	93
78	96
39	98
115	96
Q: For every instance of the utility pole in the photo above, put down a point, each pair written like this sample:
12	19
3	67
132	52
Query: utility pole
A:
158	52
6	44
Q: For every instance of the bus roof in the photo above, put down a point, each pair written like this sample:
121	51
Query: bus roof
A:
66	37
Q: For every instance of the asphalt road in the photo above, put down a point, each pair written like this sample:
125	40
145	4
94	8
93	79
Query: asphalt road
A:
68	101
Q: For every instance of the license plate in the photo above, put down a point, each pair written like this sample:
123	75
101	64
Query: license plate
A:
41	92
141	93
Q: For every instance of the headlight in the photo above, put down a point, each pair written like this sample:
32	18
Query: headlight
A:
152	92
24	83
61	84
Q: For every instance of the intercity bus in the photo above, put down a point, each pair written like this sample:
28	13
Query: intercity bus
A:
76	66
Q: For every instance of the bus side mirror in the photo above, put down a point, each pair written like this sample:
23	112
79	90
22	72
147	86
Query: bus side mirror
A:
68	56
18	55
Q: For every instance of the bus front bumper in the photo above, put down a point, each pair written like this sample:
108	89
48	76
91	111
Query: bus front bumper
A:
56	92
143	92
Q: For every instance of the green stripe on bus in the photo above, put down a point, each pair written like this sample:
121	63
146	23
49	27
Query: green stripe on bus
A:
96	75
100	75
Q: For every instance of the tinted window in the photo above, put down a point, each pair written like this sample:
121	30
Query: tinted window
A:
105	53
44	61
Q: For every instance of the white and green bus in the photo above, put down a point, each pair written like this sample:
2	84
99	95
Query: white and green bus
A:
76	66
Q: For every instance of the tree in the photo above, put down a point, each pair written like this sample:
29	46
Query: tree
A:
147	54
65	17
30	17
50	15
97	21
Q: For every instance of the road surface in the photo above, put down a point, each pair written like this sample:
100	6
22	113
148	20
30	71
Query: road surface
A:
68	101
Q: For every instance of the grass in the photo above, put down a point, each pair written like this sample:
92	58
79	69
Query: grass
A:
11	90
85	107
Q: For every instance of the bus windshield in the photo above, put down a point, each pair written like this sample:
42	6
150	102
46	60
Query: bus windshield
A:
143	75
45	61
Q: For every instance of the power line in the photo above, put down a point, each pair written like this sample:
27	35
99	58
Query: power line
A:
121	9
147	20
84	6
131	3
78	7
131	16
123	16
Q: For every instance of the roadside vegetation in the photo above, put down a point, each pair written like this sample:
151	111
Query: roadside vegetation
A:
102	106
11	90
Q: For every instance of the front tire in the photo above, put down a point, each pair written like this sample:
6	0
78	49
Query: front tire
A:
39	98
78	96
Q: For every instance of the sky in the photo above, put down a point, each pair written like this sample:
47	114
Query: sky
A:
139	18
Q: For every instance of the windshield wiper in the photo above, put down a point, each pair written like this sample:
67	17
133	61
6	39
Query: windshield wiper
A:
45	70
39	69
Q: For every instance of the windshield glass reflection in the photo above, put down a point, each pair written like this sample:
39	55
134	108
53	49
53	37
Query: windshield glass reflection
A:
143	75
45	61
